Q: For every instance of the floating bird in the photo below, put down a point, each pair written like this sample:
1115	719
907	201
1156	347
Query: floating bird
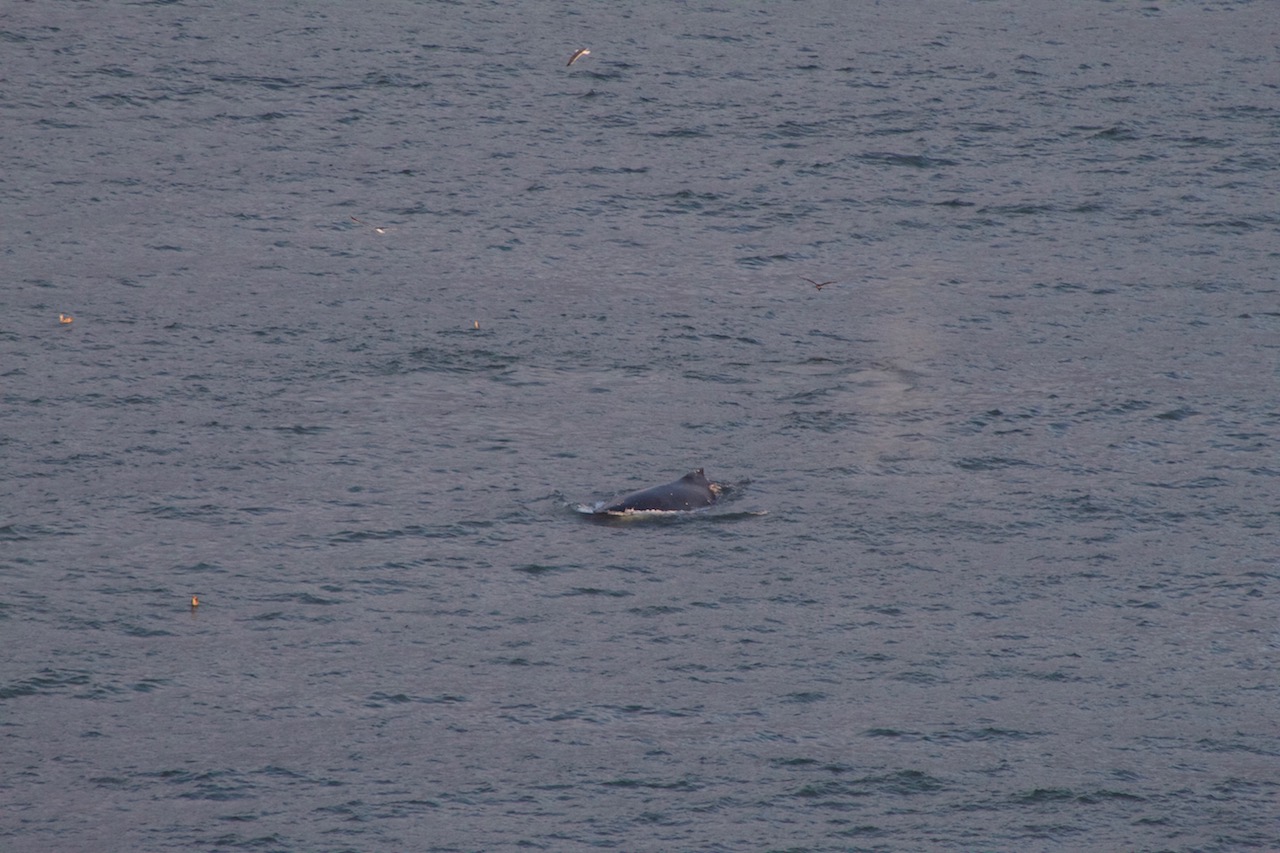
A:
577	54
477	325
819	284
65	319
195	602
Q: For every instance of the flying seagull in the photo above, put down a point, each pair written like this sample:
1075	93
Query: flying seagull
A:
577	54
378	228
819	284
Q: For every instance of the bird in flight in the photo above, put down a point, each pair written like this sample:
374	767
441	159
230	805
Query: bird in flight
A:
577	54
819	284
377	228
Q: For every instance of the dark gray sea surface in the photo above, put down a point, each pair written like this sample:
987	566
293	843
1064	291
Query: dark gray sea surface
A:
367	299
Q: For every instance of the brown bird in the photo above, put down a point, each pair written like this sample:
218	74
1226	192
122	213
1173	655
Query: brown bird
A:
577	54
195	602
65	319
819	284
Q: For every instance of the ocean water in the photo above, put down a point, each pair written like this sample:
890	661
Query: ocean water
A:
366	300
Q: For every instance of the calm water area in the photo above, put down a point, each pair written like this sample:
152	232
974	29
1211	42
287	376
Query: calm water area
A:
366	299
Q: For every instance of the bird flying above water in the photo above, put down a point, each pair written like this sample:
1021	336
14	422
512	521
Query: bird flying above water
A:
819	284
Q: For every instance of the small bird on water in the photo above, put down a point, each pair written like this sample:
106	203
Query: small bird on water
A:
195	602
577	54
65	319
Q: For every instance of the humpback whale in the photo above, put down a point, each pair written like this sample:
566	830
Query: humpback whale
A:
690	492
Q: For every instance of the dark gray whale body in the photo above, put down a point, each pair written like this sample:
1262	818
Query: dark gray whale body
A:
692	491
